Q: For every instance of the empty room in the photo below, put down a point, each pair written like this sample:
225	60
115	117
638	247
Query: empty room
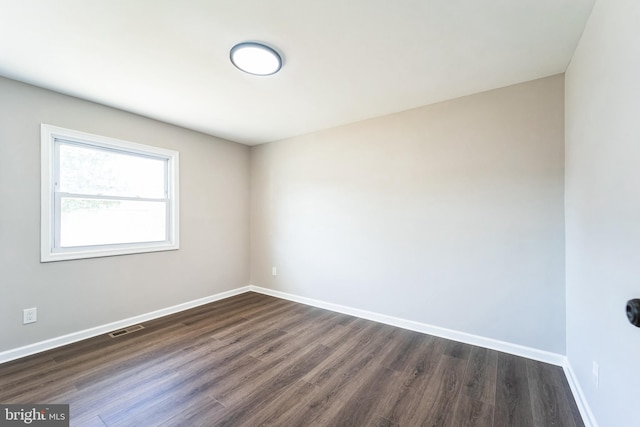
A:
338	213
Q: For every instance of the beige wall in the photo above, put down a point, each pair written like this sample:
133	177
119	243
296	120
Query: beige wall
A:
449	214
76	295
603	210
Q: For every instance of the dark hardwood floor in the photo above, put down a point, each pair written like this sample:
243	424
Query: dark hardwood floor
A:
254	360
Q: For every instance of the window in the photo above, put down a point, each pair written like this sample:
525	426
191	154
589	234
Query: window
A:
103	196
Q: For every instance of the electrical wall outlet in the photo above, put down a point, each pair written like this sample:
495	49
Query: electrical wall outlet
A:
274	271
595	370
29	315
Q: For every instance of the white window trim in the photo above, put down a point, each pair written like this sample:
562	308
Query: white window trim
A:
47	238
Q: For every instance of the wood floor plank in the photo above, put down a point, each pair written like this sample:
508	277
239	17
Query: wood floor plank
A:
241	315
383	422
110	367
344	333
181	402
445	386
267	318
470	412
544	372
115	400
407	343
549	406
19	368
310	323
232	350
254	400
458	349
20	383
549	401
271	414
196	416
331	394
405	395
91	422
359	410
186	387
277	373
342	356
575	412
513	402
293	341
101	398
253	360
481	375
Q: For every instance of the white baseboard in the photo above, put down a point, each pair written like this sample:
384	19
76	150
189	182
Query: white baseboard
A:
506	347
52	343
578	395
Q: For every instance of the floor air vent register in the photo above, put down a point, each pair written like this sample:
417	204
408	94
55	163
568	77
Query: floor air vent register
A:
125	331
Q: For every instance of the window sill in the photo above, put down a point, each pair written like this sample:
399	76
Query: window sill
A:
98	252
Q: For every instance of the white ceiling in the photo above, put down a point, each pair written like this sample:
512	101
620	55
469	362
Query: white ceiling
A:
344	60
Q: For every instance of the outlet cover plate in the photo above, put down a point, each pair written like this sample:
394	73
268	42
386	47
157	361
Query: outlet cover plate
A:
29	315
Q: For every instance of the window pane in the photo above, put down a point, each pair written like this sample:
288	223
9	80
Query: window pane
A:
88	222
86	170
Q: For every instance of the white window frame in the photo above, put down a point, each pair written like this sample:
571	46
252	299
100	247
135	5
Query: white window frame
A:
50	226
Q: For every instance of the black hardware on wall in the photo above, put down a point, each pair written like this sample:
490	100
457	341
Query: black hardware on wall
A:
633	311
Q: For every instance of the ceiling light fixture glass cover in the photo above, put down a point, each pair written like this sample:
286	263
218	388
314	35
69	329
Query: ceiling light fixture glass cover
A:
255	58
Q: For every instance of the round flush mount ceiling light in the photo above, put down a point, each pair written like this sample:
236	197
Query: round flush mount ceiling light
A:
255	58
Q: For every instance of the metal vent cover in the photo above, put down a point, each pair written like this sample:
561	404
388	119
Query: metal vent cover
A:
125	331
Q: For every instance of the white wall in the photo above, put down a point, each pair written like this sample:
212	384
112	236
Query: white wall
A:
603	209
76	295
449	214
